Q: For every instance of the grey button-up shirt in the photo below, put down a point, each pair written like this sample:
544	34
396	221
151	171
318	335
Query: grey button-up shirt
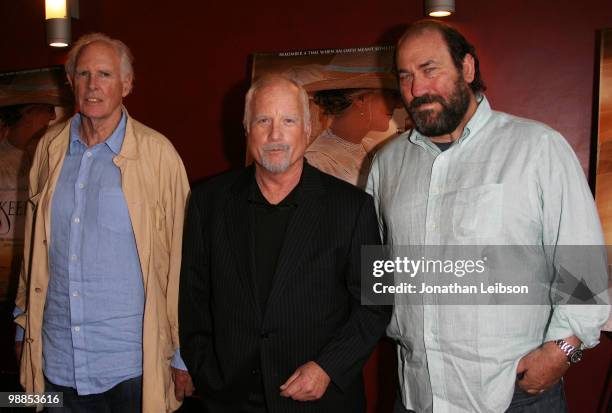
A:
505	181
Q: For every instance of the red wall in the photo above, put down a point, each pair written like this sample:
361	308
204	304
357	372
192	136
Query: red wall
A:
538	59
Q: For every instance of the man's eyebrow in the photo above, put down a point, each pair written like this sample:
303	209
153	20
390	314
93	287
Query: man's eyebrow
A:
427	63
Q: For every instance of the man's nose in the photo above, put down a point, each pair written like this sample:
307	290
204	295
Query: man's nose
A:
276	132
420	86
92	82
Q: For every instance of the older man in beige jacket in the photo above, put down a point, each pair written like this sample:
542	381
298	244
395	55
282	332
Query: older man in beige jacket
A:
70	344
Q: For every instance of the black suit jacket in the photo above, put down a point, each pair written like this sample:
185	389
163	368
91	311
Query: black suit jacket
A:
313	311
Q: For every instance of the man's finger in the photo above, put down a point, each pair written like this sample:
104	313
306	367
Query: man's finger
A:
181	382
179	390
18	348
293	390
292	378
189	388
521	368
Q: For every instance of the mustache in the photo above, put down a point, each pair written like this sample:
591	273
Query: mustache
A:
275	147
422	100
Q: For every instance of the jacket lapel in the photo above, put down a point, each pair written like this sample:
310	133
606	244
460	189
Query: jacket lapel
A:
56	154
238	224
299	232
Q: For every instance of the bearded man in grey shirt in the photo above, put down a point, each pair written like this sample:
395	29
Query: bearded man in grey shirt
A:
467	175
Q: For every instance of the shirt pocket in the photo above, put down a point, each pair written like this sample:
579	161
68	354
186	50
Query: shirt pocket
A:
478	211
113	212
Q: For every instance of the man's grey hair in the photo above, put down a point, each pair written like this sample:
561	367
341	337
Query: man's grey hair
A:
125	55
268	80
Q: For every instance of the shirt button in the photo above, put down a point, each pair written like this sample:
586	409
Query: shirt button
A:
81	185
38	289
88	153
73	257
75	294
77	329
77	220
434	226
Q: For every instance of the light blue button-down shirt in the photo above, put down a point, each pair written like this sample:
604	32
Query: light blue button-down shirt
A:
505	181
92	329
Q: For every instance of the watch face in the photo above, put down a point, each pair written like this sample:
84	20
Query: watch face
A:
576	356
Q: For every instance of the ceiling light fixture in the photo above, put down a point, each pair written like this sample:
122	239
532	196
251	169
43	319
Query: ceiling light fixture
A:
439	8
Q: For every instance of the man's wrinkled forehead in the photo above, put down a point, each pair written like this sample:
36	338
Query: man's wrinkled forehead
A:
277	93
101	51
423	39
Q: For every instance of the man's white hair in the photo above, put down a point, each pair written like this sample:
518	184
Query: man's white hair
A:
268	80
125	55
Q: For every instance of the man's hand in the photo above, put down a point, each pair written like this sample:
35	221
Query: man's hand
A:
183	386
18	348
309	382
542	368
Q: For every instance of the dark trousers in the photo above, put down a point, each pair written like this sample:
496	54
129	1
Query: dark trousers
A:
550	401
125	397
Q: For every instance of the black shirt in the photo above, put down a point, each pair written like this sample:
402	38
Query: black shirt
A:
269	225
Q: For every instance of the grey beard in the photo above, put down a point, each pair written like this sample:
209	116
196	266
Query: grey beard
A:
278	166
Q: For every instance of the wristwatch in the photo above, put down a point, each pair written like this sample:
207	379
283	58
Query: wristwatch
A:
573	354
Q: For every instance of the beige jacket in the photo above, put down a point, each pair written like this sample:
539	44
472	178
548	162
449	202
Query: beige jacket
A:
156	189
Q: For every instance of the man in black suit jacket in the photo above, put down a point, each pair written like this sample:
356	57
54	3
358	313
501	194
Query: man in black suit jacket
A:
269	309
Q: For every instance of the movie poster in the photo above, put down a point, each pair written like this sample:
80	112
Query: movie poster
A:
354	103
30	100
603	180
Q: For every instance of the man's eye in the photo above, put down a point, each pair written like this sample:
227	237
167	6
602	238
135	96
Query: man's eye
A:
262	121
430	70
404	77
105	74
290	121
83	73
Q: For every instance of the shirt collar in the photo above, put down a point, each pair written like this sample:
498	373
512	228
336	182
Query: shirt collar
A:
114	141
476	122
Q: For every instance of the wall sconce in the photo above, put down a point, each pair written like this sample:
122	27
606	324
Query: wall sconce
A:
57	21
439	8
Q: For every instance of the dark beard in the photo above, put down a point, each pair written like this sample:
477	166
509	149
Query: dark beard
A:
430	124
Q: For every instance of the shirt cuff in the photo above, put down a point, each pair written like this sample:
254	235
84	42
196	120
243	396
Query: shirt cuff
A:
177	361
582	321
19	332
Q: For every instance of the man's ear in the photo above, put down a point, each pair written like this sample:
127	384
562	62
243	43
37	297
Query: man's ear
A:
127	84
469	70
